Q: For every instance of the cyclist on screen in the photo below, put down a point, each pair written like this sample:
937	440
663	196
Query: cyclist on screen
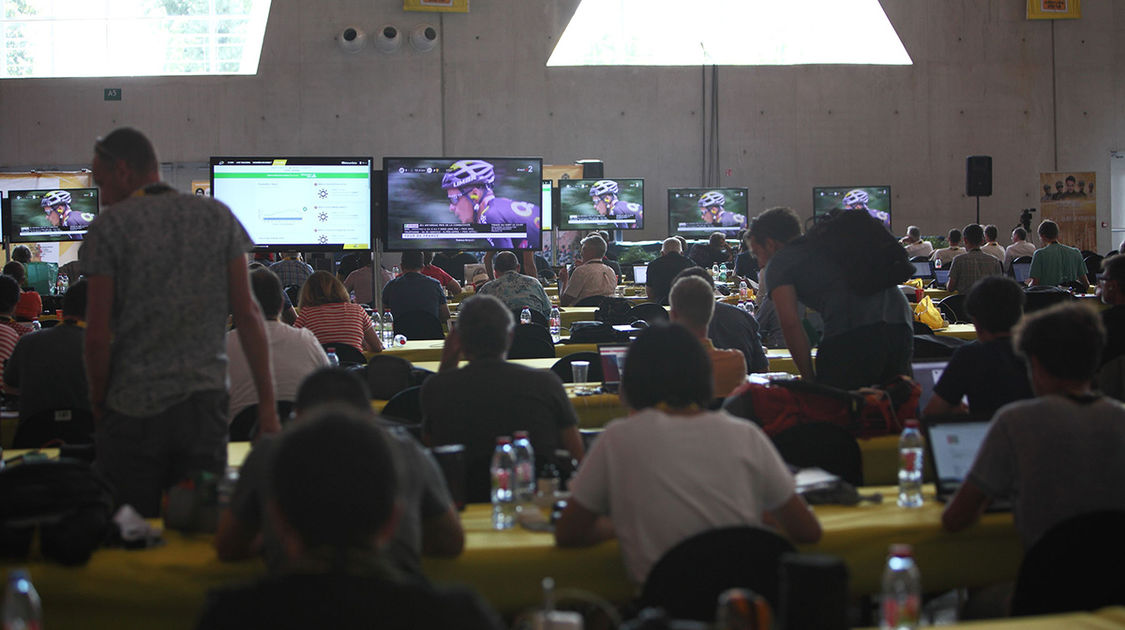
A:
604	195
56	205
468	183
711	207
857	200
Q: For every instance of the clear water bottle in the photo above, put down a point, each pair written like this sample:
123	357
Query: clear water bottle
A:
503	480
743	291
525	316
388	329
396	270
377	322
937	262
748	306
723	272
333	360
902	590
62	284
525	469
22	608
715	271
910	460
556	324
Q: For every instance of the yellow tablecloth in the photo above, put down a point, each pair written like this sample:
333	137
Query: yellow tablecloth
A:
1104	619
429	350
960	331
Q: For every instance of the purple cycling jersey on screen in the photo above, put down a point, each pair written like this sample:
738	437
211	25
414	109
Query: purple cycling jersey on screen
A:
726	219
500	210
625	210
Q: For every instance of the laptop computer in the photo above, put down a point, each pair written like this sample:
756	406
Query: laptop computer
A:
952	443
613	362
640	274
1021	271
941	276
923	269
926	374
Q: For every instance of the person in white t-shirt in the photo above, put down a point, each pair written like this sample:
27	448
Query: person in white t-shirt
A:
674	469
914	244
294	352
991	247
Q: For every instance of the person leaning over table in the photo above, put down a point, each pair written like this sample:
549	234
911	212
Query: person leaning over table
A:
335	504
1061	454
428	524
673	469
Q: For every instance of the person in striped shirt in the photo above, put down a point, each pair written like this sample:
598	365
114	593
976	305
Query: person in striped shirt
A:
325	309
9	295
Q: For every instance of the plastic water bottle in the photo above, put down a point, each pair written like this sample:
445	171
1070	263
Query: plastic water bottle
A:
22	608
388	328
723	271
937	262
556	324
525	469
743	291
333	360
525	316
377	322
715	271
503	480
902	590
910	459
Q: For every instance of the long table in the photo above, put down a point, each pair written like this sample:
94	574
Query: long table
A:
164	587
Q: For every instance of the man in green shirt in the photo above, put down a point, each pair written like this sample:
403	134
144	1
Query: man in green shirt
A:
1055	263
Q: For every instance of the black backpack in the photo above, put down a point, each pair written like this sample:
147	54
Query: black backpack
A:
871	258
65	499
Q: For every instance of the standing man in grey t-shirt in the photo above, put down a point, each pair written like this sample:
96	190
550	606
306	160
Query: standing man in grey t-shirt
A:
165	269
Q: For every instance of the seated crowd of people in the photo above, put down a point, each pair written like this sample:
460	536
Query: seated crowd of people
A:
343	504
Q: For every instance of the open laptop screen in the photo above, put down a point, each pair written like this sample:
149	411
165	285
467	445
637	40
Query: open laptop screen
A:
613	358
926	374
640	274
954	446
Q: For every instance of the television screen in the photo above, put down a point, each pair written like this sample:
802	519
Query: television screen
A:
53	214
608	204
476	204
876	200
548	205
697	212
304	203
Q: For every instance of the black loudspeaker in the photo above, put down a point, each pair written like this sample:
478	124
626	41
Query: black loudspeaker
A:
592	169
978	176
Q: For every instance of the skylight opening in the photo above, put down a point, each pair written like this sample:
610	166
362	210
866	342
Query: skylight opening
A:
728	32
109	38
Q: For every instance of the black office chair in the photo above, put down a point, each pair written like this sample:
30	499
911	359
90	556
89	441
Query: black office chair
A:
1093	267
1069	568
293	292
590	300
922	329
244	426
69	426
405	406
650	312
531	341
536	316
387	375
1039	298
346	353
1021	268
956	304
822	445
419	325
687	580
914	259
593	373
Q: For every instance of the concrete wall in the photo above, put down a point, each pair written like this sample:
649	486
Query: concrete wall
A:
984	81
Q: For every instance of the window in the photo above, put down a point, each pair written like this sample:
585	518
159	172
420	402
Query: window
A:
105	38
728	32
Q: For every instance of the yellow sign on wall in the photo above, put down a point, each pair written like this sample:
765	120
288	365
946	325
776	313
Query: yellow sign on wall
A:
445	6
1054	9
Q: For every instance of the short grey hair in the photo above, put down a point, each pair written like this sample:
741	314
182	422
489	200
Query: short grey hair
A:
693	301
485	326
671	244
595	243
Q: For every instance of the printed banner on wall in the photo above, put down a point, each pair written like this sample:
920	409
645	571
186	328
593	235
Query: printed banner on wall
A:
1068	199
201	187
1054	9
445	6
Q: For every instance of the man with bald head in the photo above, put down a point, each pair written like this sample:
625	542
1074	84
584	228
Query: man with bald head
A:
662	270
514	289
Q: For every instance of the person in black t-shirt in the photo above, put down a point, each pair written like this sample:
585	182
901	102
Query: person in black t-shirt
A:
662	270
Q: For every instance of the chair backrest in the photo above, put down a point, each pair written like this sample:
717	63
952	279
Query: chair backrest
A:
418	325
687	580
531	341
651	312
922	329
1068	568
70	426
1111	378
388	375
536	316
1039	298
914	259
405	406
244	426
822	445
293	292
956	303
1093	266
590	300
593	373
346	353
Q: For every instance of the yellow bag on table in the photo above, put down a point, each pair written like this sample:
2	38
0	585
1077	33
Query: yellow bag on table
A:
928	314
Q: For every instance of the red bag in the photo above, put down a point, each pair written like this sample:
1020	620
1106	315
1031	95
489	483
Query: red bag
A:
864	413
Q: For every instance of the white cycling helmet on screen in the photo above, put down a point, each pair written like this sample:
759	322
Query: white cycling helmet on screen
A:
856	197
712	199
604	187
468	172
55	198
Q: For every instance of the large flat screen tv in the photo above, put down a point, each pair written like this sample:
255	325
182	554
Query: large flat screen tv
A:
50	214
697	212
301	203
468	203
601	204
876	200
